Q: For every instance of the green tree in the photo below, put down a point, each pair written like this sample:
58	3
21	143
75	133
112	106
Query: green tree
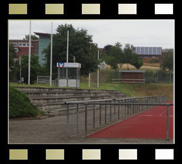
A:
167	63
12	54
107	49
115	55
34	68
131	57
80	46
136	61
33	37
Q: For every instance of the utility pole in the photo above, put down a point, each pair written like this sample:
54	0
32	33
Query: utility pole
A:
67	56
98	73
30	45
51	56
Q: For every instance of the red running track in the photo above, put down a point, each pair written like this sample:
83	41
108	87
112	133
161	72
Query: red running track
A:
147	125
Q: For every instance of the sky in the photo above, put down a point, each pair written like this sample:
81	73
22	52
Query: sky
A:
144	33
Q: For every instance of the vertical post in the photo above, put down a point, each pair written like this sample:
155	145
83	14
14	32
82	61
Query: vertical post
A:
118	110
85	120
67	56
68	124
77	118
20	67
100	115
105	114
58	75
114	110
89	80
94	117
167	124
29	58
67	46
98	73
51	57
110	113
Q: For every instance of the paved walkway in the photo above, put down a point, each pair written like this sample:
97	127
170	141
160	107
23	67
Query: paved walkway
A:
53	130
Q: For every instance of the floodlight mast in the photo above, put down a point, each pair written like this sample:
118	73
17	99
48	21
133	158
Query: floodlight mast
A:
51	56
67	56
98	73
29	54
67	46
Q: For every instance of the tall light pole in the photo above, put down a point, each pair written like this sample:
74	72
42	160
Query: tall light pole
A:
29	54
20	67
98	73
67	56
51	56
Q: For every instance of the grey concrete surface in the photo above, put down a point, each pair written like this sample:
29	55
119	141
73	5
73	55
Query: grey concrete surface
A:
52	130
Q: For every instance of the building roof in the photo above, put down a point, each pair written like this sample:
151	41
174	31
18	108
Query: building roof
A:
21	40
41	33
148	50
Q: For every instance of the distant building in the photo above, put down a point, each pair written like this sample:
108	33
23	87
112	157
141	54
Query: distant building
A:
22	47
44	41
149	52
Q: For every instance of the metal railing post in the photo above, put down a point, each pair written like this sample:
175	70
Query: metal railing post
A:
105	114
94	116
100	115
78	118
110	114
85	120
167	123
68	124
118	110
114	110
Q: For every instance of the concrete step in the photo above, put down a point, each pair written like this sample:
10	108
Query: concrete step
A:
45	100
32	89
67	93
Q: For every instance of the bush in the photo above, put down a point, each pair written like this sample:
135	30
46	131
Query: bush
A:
20	105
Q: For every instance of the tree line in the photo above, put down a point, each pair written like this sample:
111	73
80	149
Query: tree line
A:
81	47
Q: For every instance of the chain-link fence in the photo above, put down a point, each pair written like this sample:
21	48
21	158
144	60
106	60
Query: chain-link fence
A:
158	77
106	76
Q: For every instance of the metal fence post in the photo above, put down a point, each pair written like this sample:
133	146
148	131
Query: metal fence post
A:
85	120
114	110
94	117
100	115
67	120
118	110
110	114
167	124
105	114
77	118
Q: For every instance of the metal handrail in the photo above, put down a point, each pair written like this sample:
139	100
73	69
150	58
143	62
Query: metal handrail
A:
159	101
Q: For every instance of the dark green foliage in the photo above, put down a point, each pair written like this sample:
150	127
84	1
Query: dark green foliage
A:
167	63
34	68
158	76
115	55
20	105
12	54
80	46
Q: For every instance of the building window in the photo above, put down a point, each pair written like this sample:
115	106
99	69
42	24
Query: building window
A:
24	45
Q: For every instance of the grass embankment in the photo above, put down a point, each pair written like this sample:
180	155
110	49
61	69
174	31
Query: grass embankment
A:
137	90
20	105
